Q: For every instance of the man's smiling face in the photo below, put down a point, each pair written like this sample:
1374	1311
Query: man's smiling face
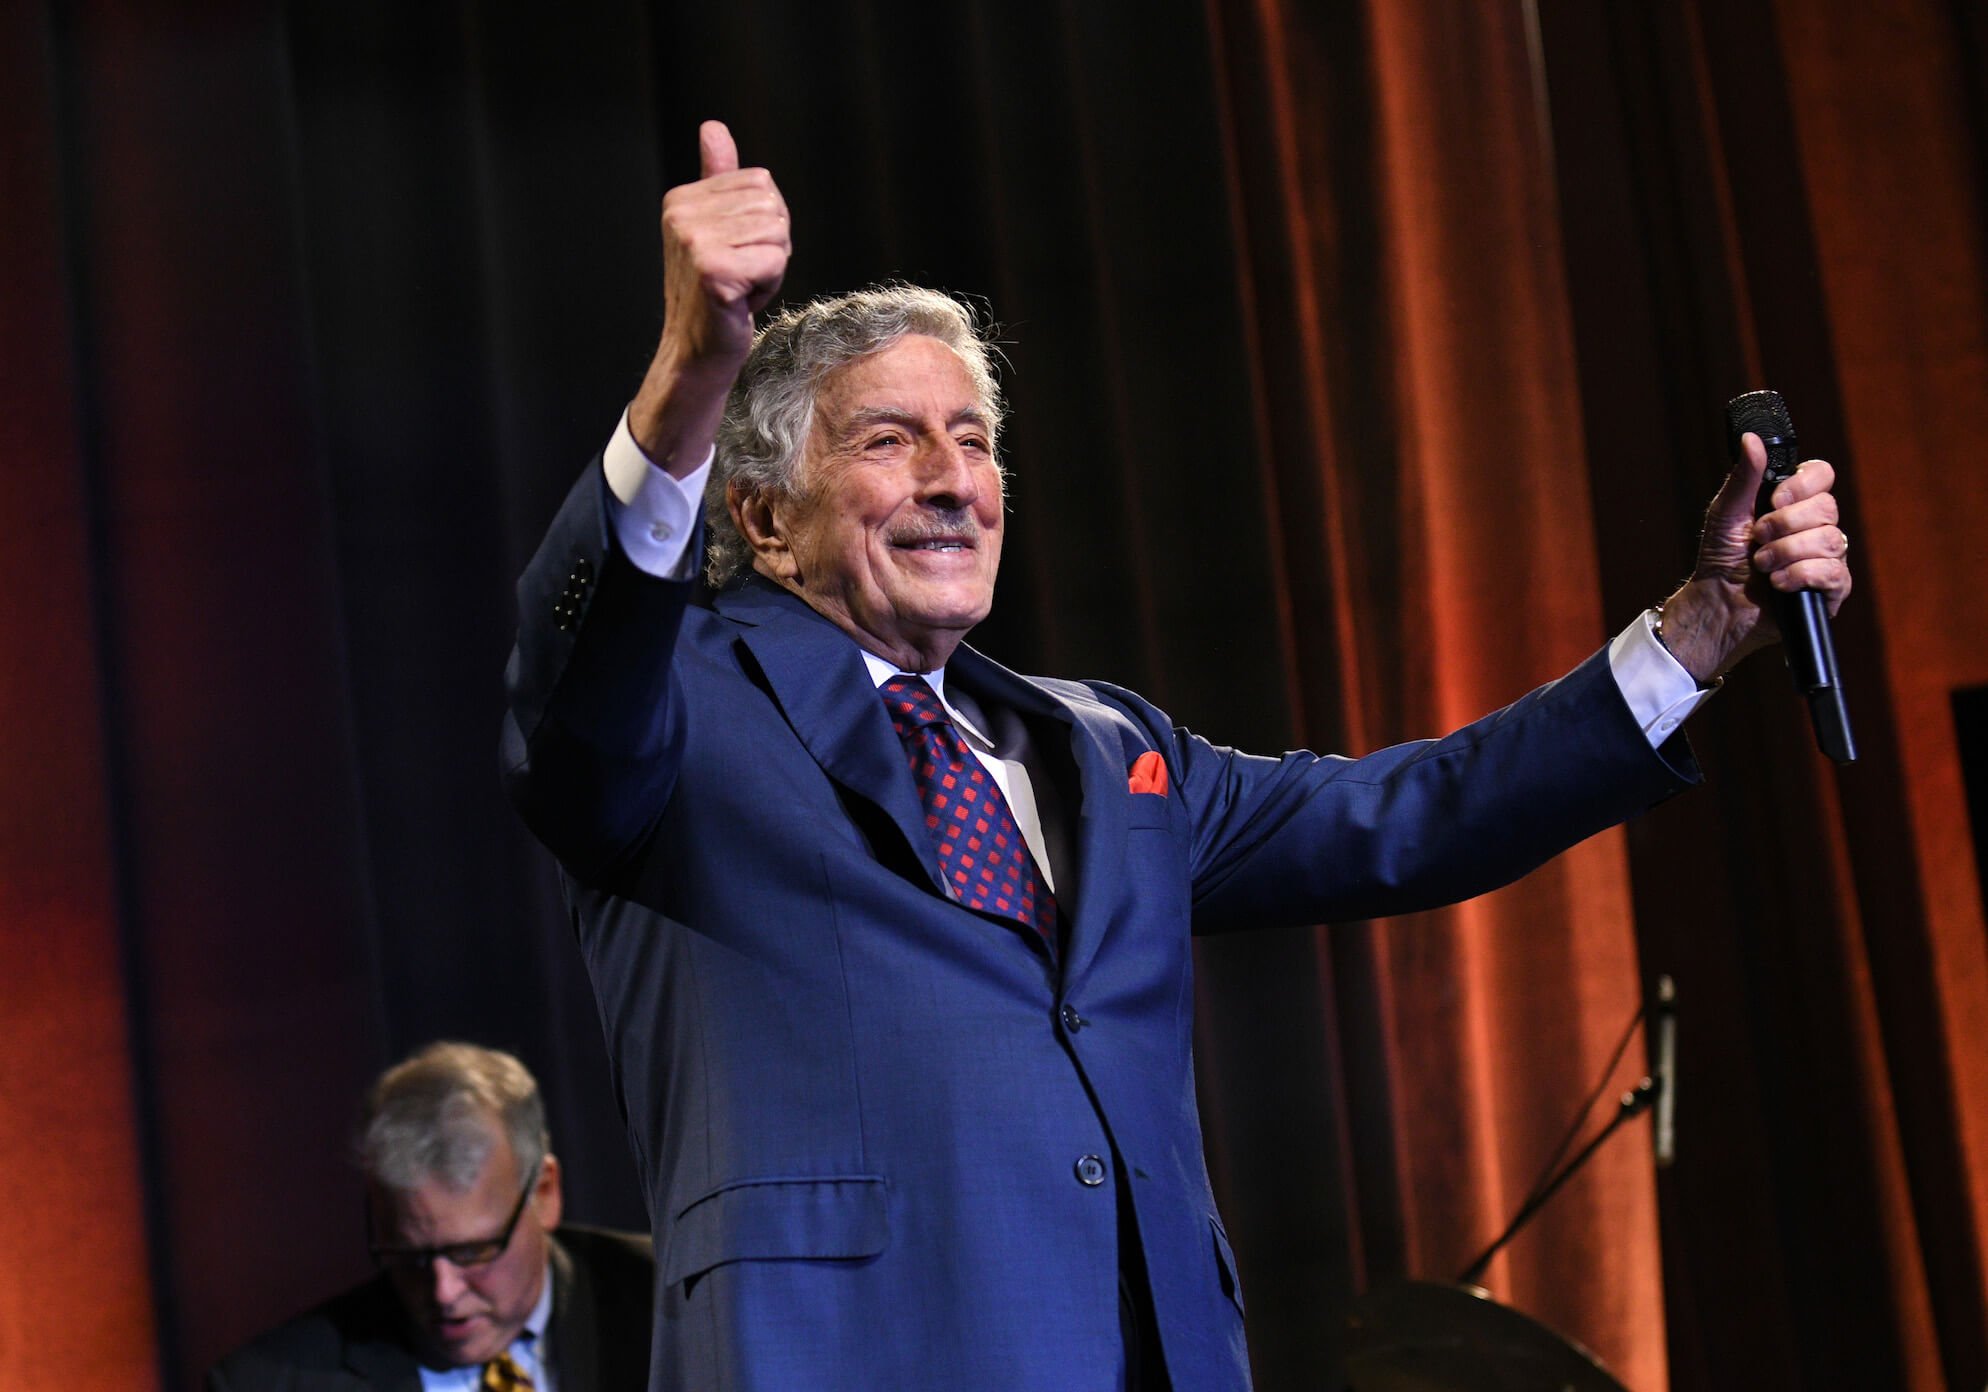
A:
896	533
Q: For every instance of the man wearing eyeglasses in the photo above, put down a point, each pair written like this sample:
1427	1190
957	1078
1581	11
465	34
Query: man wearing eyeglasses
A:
476	1291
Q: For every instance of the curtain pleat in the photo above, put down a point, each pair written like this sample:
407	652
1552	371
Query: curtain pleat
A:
79	1307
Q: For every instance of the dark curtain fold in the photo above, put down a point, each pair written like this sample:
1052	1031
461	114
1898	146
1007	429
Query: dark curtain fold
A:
1365	362
66	1056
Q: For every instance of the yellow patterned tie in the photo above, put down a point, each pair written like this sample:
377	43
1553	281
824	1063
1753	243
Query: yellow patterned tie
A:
502	1374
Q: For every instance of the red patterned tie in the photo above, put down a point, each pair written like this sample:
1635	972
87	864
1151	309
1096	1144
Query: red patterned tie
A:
982	858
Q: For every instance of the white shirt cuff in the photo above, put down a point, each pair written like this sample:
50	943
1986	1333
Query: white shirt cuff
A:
654	513
1659	691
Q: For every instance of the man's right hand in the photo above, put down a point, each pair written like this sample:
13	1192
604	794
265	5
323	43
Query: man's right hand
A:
725	249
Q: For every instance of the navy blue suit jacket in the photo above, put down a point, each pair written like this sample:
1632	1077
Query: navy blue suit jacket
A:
865	1117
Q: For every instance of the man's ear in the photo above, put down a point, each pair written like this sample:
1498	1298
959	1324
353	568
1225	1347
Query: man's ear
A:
753	514
548	1199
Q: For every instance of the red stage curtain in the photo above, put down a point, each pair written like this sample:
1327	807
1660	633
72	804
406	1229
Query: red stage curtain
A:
76	1308
1436	516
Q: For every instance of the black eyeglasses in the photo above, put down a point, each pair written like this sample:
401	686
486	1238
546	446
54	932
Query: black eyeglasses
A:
456	1254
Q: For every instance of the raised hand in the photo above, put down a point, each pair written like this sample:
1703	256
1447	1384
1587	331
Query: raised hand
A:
1721	614
725	249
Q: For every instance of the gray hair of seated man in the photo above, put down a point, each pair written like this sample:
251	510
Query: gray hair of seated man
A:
770	411
437	1115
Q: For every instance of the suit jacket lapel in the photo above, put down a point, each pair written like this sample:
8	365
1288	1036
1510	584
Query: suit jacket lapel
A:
1095	816
817	675
571	1329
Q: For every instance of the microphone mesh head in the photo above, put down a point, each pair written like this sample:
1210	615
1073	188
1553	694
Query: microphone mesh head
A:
1762	412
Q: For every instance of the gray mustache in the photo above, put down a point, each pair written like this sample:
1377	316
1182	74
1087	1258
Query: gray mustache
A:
951	524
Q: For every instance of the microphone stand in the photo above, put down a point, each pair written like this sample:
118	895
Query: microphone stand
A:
1634	1102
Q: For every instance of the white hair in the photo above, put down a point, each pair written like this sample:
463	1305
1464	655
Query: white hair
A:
438	1115
771	407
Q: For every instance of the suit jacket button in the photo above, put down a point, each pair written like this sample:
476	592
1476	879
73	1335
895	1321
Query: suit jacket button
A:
1090	1171
1072	1021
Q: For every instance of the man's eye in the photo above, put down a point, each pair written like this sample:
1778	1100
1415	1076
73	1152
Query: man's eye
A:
973	442
890	439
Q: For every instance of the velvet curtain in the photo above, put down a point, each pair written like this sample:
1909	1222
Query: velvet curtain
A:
1366	363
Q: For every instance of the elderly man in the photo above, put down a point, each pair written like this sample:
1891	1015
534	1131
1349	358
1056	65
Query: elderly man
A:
892	944
476	1291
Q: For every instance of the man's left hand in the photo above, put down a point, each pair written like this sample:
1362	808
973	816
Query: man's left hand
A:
1723	612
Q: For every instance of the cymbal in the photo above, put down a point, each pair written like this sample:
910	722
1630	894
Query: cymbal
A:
1422	1336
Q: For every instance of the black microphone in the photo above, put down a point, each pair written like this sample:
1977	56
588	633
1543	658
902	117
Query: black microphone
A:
1804	619
1663	1128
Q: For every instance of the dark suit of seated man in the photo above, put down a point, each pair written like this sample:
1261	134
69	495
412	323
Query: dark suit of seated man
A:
479	1288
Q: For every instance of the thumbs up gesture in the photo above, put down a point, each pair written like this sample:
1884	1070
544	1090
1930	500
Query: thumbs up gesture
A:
725	249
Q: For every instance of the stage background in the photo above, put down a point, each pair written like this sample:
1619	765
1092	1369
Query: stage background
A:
1366	361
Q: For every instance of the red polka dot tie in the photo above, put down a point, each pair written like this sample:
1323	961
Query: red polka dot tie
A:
982	858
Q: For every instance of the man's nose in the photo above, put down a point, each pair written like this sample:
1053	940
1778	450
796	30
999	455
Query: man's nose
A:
946	474
445	1282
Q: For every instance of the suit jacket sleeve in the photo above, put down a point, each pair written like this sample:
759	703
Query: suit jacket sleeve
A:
1307	838
594	730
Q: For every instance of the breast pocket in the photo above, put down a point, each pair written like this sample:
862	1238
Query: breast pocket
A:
1155	866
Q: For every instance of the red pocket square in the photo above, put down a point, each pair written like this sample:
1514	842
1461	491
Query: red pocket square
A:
1149	774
